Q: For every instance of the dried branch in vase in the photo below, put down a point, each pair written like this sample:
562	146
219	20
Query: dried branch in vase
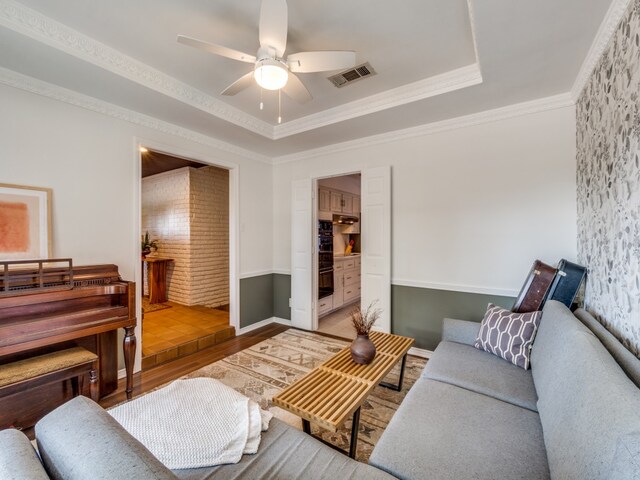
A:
363	320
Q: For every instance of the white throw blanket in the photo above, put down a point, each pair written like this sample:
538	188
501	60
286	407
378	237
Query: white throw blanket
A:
197	422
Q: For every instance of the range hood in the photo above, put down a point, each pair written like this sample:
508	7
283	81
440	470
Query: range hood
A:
344	219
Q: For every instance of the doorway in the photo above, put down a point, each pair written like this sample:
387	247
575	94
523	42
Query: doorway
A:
339	252
185	264
375	235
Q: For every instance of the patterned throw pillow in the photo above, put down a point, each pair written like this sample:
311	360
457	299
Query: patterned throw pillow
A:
508	335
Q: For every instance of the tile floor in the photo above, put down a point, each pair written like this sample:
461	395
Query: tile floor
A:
338	323
180	330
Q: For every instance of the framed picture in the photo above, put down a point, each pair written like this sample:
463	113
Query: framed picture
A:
25	222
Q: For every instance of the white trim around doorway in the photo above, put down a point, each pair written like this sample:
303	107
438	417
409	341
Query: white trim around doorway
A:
313	178
234	225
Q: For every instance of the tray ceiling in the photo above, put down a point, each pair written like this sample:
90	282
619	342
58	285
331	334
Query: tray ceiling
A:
434	60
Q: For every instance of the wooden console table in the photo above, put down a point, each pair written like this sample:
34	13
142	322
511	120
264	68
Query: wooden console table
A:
157	271
333	391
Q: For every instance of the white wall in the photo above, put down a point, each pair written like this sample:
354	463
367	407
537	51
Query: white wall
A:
90	162
472	207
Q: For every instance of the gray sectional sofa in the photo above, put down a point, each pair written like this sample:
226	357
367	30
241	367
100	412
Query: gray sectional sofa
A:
81	441
574	415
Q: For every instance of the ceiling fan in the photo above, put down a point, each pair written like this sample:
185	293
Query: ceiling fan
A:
271	70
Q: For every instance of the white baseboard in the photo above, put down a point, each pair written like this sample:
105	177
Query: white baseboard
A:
263	323
122	373
282	321
420	352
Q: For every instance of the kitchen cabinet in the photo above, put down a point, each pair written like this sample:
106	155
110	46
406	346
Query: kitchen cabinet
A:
346	283
338	287
336	202
351	293
343	203
347	203
325	305
351	277
324	200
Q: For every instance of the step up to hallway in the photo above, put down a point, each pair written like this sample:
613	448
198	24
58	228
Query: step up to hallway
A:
218	335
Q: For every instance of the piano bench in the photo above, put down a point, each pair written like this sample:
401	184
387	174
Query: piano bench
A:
74	363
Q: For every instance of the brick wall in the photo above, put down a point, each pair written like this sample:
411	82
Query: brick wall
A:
209	226
187	210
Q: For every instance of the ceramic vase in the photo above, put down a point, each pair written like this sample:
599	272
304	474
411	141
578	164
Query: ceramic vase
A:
363	351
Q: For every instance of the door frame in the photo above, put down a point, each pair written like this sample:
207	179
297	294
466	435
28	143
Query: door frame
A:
234	224
313	177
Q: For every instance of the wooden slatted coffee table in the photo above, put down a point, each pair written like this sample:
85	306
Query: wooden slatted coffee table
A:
333	391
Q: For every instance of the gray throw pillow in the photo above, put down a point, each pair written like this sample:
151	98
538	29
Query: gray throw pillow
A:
508	335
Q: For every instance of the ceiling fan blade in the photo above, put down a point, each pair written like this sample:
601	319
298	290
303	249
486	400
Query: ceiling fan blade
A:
243	82
296	90
306	62
217	49
273	25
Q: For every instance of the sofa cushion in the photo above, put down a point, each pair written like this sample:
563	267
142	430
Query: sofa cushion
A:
18	459
508	335
481	372
589	408
79	440
460	331
287	453
442	432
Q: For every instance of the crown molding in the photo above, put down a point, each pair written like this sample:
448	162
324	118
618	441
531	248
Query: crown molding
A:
33	24
474	37
32	85
616	11
429	87
503	113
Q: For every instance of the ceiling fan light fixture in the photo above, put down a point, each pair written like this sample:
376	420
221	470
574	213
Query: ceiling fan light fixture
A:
271	74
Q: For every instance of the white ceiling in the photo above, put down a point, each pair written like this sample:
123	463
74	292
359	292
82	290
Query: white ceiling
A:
424	52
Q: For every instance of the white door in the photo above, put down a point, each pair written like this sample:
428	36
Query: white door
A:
376	242
302	251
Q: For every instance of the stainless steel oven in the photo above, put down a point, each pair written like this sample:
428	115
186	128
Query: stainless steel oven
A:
325	258
325	283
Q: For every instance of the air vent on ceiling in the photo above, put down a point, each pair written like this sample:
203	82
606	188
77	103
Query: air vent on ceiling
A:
349	76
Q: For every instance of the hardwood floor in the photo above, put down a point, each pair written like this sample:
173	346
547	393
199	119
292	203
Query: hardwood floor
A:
180	331
154	377
178	325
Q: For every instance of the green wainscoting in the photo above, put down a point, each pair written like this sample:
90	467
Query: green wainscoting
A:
416	312
281	295
256	299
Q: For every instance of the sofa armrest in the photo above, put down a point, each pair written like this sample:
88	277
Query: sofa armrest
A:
18	459
460	331
79	440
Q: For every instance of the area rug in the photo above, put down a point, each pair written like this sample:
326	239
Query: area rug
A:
261	371
152	307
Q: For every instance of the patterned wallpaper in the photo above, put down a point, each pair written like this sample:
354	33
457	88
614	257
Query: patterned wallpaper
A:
608	181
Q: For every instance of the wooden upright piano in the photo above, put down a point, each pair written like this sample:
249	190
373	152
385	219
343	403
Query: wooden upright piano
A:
49	308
